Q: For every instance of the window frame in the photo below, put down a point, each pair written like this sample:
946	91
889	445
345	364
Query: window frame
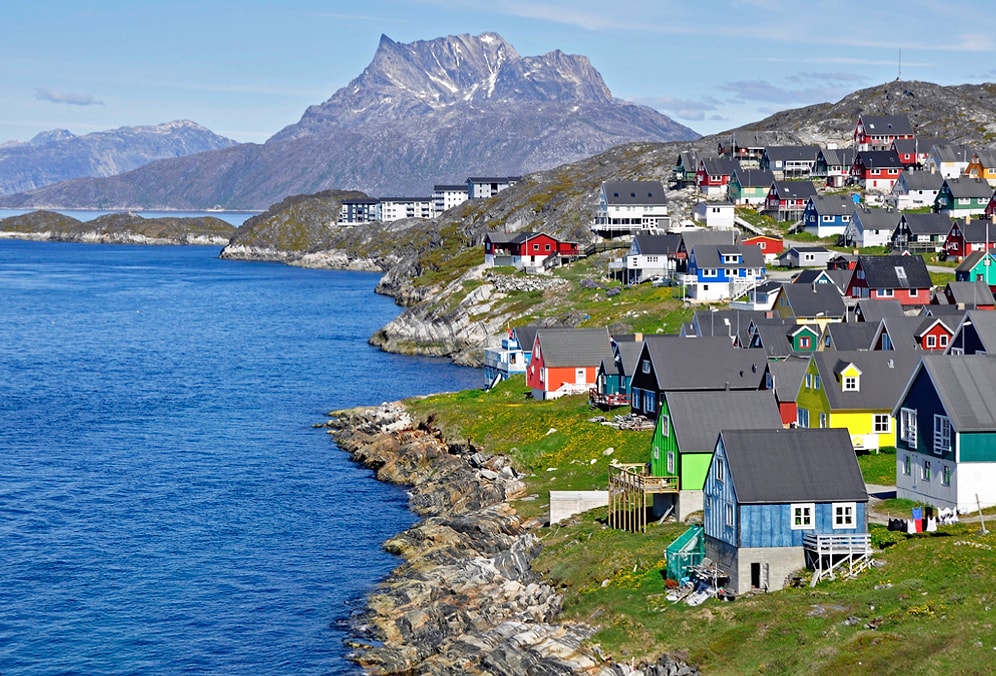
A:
844	515
802	515
943	441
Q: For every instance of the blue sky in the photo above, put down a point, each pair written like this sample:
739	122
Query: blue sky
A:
247	69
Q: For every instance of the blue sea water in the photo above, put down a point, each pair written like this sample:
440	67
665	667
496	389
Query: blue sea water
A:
165	504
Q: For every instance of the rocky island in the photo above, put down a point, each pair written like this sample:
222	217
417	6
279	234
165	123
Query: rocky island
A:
124	228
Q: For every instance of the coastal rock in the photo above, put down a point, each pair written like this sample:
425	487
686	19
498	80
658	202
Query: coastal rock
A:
465	599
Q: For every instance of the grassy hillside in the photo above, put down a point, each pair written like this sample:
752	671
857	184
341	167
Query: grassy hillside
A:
930	608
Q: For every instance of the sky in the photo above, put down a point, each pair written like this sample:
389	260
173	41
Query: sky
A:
246	69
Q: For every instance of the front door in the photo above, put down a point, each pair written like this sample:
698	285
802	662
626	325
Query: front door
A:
580	376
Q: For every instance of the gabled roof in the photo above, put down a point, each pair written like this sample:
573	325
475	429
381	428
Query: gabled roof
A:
884	373
698	417
526	335
883	272
793	465
754	178
832	205
876	219
886	125
966	386
718	166
813	300
984	326
986	157
723	322
874	159
775	336
970	294
852	335
693	238
903	332
657	245
711	256
951	152
972	259
978	230
629	355
793	190
791	153
905	145
838	157
703	364
922	180
787	375
872	310
634	192
927	224
968	188
574	347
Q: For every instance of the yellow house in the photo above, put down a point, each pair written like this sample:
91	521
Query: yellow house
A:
856	391
983	165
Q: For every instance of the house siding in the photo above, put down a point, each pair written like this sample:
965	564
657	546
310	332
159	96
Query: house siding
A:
977	447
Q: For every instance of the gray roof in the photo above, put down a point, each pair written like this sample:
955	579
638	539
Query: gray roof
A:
659	245
793	465
887	125
966	386
634	192
809	300
626	356
967	188
871	310
972	259
574	347
710	363
693	238
526	335
723	322
882	272
847	336
698	417
787	375
876	219
884	373
794	190
922	180
838	157
952	152
903	332
718	166
754	178
832	205
790	153
877	158
970	293
927	224
978	230
711	256
984	325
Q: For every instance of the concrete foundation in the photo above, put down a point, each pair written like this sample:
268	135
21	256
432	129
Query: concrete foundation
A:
565	504
762	568
683	502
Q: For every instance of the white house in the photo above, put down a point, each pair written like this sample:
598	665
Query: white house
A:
395	208
445	197
871	227
719	215
629	207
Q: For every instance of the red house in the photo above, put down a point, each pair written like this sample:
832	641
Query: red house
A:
525	250
787	199
566	361
877	170
877	132
967	236
713	175
902	278
769	246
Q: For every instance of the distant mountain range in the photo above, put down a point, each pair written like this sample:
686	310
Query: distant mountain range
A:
58	155
425	113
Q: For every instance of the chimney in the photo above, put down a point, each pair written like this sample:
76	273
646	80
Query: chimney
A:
638	337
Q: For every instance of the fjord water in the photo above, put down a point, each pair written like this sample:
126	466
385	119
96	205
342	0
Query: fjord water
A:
165	504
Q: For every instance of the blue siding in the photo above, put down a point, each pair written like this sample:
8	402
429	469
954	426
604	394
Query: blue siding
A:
716	496
771	525
923	398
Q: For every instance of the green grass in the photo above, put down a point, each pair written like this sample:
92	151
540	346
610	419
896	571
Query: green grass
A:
931	608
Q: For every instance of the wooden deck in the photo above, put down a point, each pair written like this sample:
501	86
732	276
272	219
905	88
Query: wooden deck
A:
829	555
629	486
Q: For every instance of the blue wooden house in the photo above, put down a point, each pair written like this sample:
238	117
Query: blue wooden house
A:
778	500
723	272
511	357
946	444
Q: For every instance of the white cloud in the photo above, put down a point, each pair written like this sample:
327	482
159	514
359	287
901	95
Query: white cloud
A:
66	98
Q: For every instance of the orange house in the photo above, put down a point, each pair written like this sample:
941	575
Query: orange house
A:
565	361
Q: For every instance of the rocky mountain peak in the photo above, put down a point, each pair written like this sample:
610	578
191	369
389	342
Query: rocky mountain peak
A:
52	136
422	77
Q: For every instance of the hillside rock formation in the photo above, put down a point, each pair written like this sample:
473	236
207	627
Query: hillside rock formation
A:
58	155
429	112
117	229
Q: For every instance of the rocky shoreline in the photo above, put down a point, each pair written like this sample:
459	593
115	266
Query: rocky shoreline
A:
465	600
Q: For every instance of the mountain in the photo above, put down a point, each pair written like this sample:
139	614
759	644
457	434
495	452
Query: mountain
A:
58	155
435	111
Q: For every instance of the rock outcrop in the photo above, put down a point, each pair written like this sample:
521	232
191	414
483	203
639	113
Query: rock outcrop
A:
465	600
117	229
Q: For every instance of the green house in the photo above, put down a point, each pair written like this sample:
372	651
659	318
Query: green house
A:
976	266
687	428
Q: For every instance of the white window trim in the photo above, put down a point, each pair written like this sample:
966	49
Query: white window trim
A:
943	434
888	423
729	515
802	515
844	515
907	426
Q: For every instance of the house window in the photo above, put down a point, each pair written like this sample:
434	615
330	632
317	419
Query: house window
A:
907	426
720	471
931	341
843	515
665	426
882	423
817	383
943	340
946	475
925	471
649	402
645	366
802	417
823	420
670	462
907	465
729	515
804	344
850	384
942	434
547	247
802	515
886	293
